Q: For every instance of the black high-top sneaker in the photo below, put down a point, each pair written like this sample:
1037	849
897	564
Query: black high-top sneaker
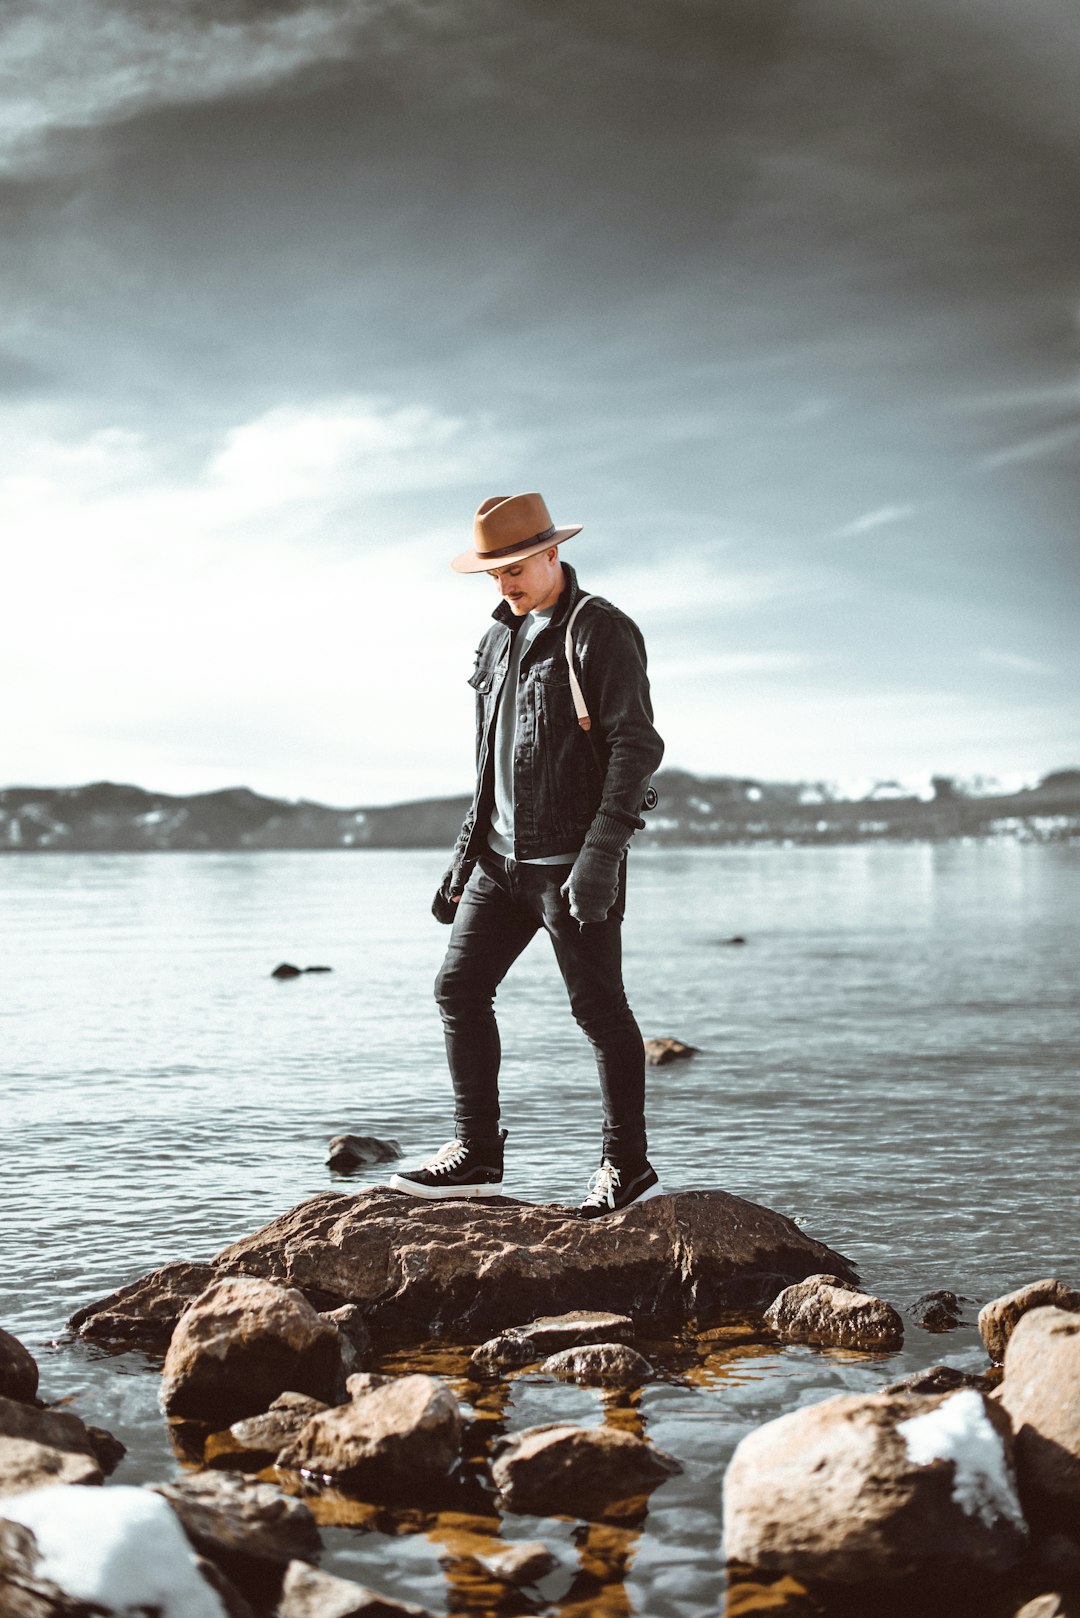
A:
459	1169
611	1189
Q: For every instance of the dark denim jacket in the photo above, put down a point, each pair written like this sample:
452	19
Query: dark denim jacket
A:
565	778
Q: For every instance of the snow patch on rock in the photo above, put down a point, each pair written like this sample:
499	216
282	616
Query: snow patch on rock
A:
121	1548
960	1431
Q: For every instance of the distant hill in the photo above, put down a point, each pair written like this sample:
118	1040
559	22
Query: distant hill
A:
105	817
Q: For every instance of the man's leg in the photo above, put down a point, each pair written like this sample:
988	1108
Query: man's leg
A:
590	959
491	929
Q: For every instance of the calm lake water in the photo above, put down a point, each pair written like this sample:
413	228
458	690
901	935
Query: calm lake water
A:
891	1058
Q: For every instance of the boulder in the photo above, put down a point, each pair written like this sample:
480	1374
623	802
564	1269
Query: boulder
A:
345	1153
998	1319
604	1365
1041	1392
18	1370
240	1344
307	1592
878	1489
466	1271
519	1564
823	1309
659	1052
521	1345
249	1530
937	1311
117	1550
396	1439
589	1472
144	1314
39	1447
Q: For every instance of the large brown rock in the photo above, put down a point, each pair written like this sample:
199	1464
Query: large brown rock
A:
243	1342
397	1438
248	1530
144	1314
39	1447
18	1370
824	1310
873	1488
1041	1392
459	1269
999	1318
310	1593
562	1470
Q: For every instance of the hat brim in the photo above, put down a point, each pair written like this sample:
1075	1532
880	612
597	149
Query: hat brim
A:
473	562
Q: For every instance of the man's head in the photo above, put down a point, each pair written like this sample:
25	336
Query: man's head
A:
531	585
508	529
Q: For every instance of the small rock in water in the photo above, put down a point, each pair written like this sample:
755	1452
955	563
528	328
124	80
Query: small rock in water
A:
349	1152
286	970
937	1311
606	1365
935	1379
255	1441
520	1564
308	1592
249	1530
393	1439
998	1319
40	1447
589	1472
108	1450
824	1310
520	1345
318	969
659	1052
18	1370
736	938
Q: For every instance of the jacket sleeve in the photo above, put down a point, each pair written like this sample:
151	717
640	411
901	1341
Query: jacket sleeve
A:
616	685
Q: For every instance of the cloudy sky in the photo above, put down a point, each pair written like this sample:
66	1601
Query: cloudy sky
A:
778	297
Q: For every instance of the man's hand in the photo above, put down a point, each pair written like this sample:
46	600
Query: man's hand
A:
448	897
593	884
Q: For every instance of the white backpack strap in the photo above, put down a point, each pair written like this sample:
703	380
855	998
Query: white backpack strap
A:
575	684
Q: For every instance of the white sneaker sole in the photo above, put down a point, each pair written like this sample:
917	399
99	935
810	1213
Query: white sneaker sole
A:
656	1190
432	1193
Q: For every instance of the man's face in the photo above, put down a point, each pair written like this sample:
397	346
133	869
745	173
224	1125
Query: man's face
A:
534	583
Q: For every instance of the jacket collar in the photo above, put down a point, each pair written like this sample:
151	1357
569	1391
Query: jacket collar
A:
564	606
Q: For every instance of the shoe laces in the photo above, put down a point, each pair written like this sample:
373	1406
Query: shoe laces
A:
447	1158
603	1184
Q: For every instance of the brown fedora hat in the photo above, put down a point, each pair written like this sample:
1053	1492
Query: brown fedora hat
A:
508	528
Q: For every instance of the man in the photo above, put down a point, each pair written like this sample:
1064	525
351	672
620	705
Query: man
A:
557	800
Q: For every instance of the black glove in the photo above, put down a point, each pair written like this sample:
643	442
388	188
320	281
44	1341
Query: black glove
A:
593	884
452	886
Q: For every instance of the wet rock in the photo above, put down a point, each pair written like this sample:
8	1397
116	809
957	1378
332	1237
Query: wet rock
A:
605	1365
748	1595
1041	1392
349	1320
18	1370
364	1382
307	1592
254	1442
286	969
549	1334
562	1470
824	1310
937	1311
520	1564
39	1447
399	1437
108	1450
659	1052
249	1530
144	1314
240	1344
874	1488
23	1594
998	1319
937	1379
349	1152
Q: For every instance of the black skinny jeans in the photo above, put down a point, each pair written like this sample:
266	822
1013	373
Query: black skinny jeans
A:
503	907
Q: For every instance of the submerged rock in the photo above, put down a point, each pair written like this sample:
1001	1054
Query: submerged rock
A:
659	1052
520	1564
605	1365
872	1488
824	1310
937	1311
144	1313
241	1343
399	1437
999	1318
40	1447
562	1470
937	1379
1041	1392
18	1370
348	1152
307	1592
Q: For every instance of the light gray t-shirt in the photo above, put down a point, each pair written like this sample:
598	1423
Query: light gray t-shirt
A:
501	832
